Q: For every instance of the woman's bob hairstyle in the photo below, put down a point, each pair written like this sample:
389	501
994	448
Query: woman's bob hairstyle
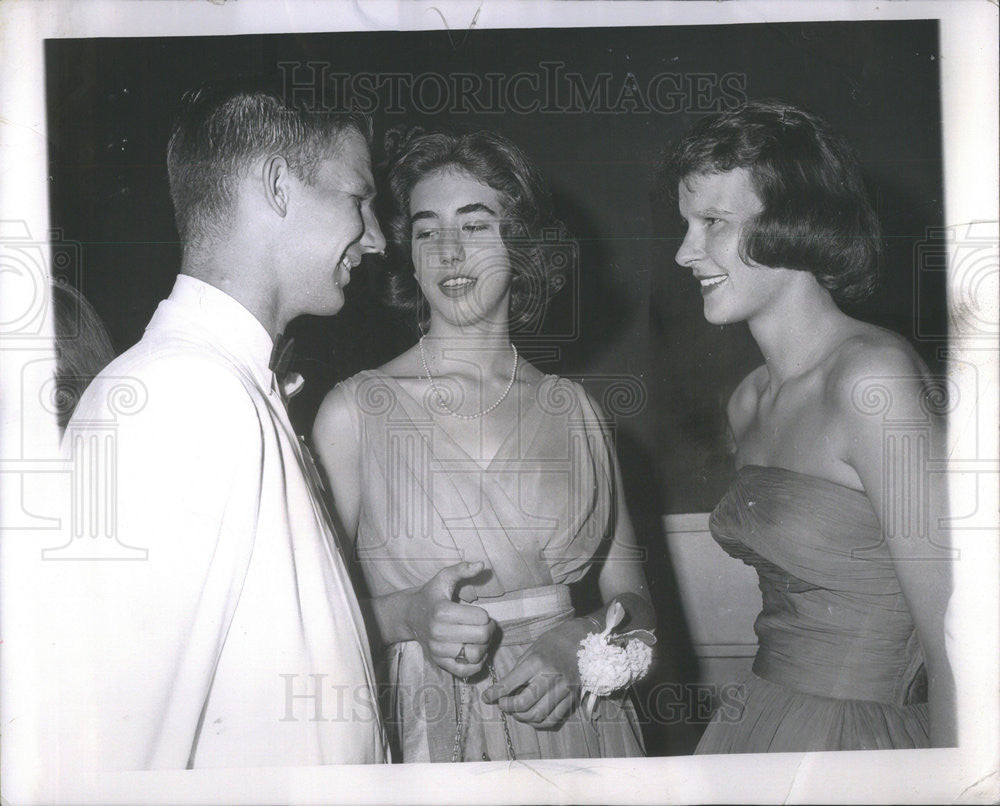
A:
816	215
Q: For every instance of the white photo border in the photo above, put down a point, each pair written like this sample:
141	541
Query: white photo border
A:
969	92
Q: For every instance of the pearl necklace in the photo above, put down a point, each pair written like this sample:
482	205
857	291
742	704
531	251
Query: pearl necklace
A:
441	396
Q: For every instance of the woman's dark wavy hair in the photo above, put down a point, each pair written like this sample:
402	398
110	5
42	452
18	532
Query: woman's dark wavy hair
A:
816	215
535	240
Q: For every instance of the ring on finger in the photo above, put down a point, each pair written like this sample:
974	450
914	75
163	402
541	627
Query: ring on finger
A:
461	657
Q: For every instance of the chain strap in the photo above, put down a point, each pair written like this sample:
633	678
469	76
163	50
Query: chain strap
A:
503	719
461	699
463	690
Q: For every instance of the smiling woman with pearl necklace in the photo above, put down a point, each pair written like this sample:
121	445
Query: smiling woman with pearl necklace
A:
475	489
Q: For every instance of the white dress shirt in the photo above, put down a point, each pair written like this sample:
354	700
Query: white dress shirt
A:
238	640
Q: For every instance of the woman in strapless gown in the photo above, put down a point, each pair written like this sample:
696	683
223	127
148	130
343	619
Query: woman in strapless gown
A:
833	502
478	489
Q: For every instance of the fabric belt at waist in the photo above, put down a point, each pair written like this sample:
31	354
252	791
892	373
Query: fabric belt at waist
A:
525	615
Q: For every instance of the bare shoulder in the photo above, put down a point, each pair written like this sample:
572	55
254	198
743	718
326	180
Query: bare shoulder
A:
875	364
742	406
334	420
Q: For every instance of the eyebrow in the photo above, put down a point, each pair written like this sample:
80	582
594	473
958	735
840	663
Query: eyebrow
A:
475	207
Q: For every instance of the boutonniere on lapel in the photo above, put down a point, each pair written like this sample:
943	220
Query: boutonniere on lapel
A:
290	383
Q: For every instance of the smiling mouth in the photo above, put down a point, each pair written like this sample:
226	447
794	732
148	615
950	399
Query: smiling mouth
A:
346	265
709	284
457	286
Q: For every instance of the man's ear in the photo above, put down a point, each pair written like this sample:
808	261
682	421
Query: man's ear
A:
276	178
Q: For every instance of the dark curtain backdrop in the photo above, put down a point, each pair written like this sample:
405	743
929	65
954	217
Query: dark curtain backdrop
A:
594	108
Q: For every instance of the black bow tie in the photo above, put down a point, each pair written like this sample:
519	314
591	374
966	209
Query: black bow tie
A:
281	355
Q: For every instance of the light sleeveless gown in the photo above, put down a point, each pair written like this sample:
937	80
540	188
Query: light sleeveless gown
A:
536	515
839	666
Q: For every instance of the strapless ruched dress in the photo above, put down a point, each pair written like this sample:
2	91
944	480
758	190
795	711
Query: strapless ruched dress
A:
537	515
838	665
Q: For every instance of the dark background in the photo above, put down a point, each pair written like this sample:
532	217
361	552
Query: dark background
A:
630	324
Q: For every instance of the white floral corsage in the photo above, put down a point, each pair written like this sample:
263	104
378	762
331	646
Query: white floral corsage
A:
610	662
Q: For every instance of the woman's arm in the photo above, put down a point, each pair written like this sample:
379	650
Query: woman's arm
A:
909	500
622	577
336	444
543	686
425	614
